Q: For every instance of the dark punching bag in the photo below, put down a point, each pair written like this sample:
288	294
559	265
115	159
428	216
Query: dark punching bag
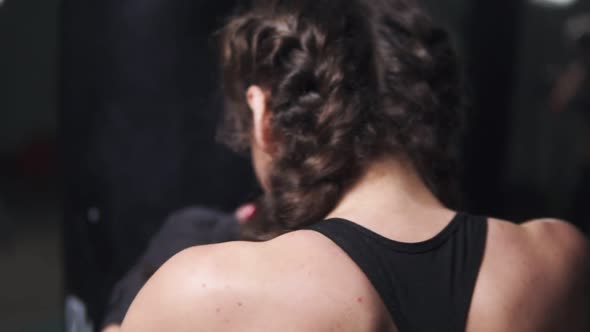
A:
140	101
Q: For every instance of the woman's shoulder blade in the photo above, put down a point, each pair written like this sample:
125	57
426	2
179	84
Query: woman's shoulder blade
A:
286	284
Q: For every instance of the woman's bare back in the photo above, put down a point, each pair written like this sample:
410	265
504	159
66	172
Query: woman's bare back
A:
533	277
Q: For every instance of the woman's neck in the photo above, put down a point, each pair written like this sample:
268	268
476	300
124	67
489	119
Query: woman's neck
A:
387	189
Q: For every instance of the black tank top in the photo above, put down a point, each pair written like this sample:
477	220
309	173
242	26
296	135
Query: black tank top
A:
426	286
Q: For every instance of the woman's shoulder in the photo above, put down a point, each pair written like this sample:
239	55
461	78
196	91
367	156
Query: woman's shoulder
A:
246	286
533	276
189	288
551	241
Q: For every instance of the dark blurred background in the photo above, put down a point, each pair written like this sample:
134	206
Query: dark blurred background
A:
107	125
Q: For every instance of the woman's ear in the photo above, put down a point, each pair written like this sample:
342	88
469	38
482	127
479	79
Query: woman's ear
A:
257	101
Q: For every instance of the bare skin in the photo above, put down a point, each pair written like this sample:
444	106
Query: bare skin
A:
533	277
112	328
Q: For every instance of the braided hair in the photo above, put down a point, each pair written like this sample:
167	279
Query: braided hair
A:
348	81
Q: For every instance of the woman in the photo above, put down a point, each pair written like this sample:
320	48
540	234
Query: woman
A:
350	109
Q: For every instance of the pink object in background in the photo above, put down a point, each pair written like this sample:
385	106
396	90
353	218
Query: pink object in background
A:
245	212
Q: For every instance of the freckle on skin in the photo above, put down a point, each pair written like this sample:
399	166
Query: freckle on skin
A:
218	310
204	285
239	304
359	300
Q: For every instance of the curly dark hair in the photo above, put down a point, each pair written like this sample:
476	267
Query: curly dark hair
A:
349	81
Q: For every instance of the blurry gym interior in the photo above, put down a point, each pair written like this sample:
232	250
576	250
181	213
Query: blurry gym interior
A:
102	106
